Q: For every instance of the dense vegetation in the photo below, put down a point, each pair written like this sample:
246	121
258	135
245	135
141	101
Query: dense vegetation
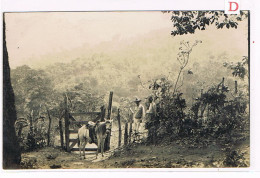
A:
205	101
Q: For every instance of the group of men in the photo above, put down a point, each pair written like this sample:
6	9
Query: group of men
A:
147	115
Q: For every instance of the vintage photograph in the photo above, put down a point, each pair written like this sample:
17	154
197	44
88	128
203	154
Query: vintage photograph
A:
126	89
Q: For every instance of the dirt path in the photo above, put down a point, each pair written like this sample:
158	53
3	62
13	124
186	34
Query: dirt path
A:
175	155
179	154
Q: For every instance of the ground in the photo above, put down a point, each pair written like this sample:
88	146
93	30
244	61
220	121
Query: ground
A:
178	154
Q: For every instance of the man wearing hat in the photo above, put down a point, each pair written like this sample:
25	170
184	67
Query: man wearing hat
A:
151	120
138	115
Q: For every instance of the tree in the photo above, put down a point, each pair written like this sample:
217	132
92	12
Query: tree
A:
33	89
183	59
185	22
173	120
83	99
11	148
239	69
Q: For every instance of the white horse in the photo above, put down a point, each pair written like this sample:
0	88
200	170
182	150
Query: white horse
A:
83	138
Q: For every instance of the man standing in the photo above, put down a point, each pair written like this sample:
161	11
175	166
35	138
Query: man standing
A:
138	115
151	120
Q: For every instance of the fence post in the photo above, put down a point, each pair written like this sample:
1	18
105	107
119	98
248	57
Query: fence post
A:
130	128
201	106
126	134
31	122
107	141
103	112
66	124
235	87
223	80
119	128
49	128
61	134
109	105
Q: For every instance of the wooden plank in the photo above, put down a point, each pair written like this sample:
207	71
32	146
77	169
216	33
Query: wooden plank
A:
73	140
73	131
78	122
73	119
91	152
86	149
84	113
72	145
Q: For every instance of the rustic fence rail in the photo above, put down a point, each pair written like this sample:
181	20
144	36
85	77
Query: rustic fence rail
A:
69	120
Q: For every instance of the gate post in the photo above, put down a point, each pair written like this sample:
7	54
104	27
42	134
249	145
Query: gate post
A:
236	87
66	123
126	134
49	128
103	112
61	134
131	123
119	127
109	105
107	140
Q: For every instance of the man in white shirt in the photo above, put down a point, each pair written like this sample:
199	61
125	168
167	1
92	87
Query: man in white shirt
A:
138	115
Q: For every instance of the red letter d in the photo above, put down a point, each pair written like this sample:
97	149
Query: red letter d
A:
230	6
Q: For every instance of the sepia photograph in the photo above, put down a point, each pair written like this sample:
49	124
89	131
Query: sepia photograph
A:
126	89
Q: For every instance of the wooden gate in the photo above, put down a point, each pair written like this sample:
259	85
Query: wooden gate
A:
70	121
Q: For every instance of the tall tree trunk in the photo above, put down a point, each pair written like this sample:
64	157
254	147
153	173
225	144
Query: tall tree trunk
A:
11	148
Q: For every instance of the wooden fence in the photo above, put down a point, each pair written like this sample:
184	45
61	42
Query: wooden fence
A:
70	121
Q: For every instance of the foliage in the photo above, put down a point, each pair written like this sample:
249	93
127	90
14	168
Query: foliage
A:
83	99
224	114
170	108
218	113
234	158
183	59
32	89
239	69
185	22
170	102
35	136
29	163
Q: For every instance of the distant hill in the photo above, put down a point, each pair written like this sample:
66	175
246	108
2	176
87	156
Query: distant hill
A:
115	65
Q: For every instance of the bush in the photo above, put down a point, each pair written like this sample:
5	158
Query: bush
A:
234	159
214	115
170	110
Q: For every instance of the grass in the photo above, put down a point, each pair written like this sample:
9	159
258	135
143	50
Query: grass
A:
178	154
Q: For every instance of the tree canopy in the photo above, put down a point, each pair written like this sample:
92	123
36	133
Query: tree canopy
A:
187	22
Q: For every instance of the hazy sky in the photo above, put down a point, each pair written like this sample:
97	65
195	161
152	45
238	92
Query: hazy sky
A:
31	36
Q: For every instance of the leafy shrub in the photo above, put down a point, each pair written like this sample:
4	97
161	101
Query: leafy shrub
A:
234	159
216	114
170	110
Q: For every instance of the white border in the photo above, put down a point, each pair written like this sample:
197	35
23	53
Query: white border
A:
110	5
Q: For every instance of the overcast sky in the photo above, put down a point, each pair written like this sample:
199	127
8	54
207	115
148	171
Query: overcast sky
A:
33	35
